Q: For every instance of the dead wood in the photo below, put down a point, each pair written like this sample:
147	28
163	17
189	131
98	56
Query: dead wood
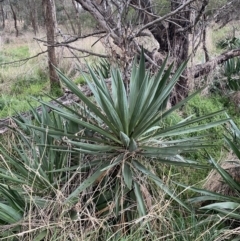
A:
206	68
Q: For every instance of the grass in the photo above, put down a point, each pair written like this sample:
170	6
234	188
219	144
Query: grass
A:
20	81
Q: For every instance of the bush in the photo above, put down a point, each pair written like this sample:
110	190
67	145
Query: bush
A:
95	164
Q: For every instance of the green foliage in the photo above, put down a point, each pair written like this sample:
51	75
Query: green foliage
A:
228	43
178	227
80	80
101	154
16	53
102	67
194	227
22	91
56	89
9	104
200	106
232	72
134	125
29	86
231	108
227	206
231	68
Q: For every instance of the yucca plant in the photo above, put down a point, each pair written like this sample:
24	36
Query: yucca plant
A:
232	72
225	204
34	176
123	132
229	43
32	160
102	67
231	68
102	153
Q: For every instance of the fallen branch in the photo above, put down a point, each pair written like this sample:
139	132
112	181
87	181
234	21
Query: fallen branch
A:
206	68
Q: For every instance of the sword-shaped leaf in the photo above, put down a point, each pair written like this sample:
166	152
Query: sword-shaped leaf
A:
127	175
73	197
159	183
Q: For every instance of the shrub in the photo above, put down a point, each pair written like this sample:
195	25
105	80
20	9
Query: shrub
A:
97	160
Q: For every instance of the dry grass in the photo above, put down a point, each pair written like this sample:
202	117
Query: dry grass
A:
10	74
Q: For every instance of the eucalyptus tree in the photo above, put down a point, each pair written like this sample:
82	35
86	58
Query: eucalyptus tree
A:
170	23
50	23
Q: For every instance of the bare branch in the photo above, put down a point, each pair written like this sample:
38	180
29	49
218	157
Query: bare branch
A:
160	19
23	60
81	50
101	15
73	39
198	17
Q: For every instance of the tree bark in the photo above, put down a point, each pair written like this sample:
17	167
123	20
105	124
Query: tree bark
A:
50	28
14	18
179	45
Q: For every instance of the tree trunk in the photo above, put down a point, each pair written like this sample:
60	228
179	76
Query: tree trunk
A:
3	16
179	45
171	40
50	28
33	16
171	31
14	18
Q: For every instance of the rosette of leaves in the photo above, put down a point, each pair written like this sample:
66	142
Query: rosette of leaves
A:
117	137
232	72
124	130
229	43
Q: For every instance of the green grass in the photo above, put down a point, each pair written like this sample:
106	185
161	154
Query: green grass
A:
18	52
9	105
80	80
15	53
200	106
20	82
